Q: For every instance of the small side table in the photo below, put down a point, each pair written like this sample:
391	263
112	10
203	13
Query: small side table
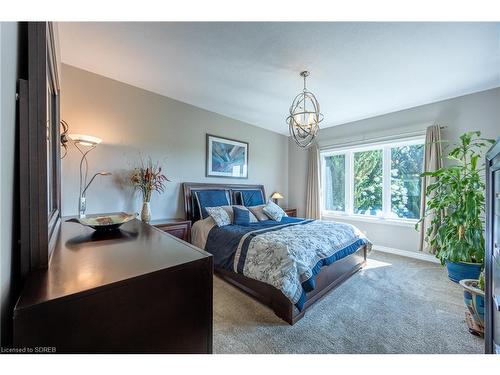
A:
292	212
179	228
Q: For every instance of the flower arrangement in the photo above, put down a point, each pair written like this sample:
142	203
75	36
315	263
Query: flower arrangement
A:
148	177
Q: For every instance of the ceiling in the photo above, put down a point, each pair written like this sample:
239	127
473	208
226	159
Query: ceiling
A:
250	71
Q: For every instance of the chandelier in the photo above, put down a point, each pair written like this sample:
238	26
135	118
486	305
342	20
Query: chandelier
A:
304	119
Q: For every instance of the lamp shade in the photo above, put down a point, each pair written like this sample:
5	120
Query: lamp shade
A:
85	140
277	196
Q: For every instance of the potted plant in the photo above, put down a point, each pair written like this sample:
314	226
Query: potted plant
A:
147	178
456	203
474	301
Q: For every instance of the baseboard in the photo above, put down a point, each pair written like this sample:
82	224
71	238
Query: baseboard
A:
405	253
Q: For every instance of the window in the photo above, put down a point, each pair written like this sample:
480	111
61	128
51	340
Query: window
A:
381	180
406	166
335	175
367	182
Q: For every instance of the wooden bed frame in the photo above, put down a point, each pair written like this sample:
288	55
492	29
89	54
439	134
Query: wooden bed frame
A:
328	278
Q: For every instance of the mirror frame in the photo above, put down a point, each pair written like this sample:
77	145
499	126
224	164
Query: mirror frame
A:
39	226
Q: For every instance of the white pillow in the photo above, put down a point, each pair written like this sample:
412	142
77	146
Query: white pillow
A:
220	215
274	211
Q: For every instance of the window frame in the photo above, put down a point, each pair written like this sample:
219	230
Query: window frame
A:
349	152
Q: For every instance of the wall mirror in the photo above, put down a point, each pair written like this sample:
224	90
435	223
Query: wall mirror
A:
39	148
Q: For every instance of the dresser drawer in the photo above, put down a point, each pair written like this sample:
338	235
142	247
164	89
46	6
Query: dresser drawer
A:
180	230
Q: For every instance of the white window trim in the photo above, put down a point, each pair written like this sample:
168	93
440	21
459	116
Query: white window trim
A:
349	151
337	215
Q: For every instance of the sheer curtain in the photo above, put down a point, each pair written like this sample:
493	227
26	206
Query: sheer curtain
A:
313	209
432	162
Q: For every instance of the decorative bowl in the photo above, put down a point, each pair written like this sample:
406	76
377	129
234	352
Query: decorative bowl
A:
105	222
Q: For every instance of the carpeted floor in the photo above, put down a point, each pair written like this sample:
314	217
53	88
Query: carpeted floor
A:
394	305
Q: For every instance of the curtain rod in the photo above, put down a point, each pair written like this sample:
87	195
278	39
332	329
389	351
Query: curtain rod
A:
414	133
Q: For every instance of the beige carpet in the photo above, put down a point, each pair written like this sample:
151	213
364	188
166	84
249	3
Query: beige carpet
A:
394	305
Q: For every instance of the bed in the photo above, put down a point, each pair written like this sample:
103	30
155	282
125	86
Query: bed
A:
273	261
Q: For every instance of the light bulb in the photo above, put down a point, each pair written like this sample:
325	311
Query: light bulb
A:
311	121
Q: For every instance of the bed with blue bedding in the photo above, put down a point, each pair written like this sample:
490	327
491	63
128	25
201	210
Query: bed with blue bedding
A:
286	264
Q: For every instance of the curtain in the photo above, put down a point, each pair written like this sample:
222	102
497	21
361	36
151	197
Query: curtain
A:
313	209
432	162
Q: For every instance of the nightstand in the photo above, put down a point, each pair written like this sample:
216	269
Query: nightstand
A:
292	212
179	228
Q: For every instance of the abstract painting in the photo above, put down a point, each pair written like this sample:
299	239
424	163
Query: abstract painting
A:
226	157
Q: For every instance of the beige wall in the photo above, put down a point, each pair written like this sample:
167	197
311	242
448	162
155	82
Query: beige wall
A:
479	111
8	79
131	120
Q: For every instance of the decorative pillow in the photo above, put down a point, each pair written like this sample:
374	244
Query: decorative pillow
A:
230	213
210	198
251	197
253	219
220	216
258	212
274	211
241	217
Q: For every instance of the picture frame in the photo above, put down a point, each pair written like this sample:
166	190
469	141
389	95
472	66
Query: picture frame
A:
226	157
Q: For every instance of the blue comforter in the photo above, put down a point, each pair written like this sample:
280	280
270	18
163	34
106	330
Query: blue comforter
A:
287	254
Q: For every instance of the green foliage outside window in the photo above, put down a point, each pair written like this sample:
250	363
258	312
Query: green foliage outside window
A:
368	182
405	182
406	167
335	180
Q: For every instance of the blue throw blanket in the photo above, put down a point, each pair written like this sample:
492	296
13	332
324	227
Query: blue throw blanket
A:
287	254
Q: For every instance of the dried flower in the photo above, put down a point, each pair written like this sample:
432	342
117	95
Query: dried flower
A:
148	178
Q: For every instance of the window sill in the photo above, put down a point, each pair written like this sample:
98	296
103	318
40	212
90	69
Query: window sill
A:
373	220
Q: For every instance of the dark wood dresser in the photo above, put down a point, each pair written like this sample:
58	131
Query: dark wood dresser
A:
138	290
292	212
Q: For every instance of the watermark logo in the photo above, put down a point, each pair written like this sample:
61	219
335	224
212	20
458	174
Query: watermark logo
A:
29	350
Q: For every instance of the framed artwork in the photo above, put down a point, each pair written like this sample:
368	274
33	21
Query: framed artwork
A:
226	157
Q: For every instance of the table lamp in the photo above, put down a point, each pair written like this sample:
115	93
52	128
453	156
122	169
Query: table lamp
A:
276	196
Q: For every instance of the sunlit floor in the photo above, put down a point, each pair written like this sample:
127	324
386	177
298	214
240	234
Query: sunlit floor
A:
394	305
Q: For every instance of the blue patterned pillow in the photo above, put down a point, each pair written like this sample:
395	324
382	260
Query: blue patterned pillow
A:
220	216
241	216
274	211
210	198
253	219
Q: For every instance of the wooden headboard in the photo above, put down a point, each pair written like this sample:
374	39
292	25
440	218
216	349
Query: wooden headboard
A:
231	189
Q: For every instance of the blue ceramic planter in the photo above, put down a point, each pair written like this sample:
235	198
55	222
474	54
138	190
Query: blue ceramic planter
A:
459	271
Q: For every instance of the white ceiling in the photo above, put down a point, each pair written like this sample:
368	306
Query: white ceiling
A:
250	71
